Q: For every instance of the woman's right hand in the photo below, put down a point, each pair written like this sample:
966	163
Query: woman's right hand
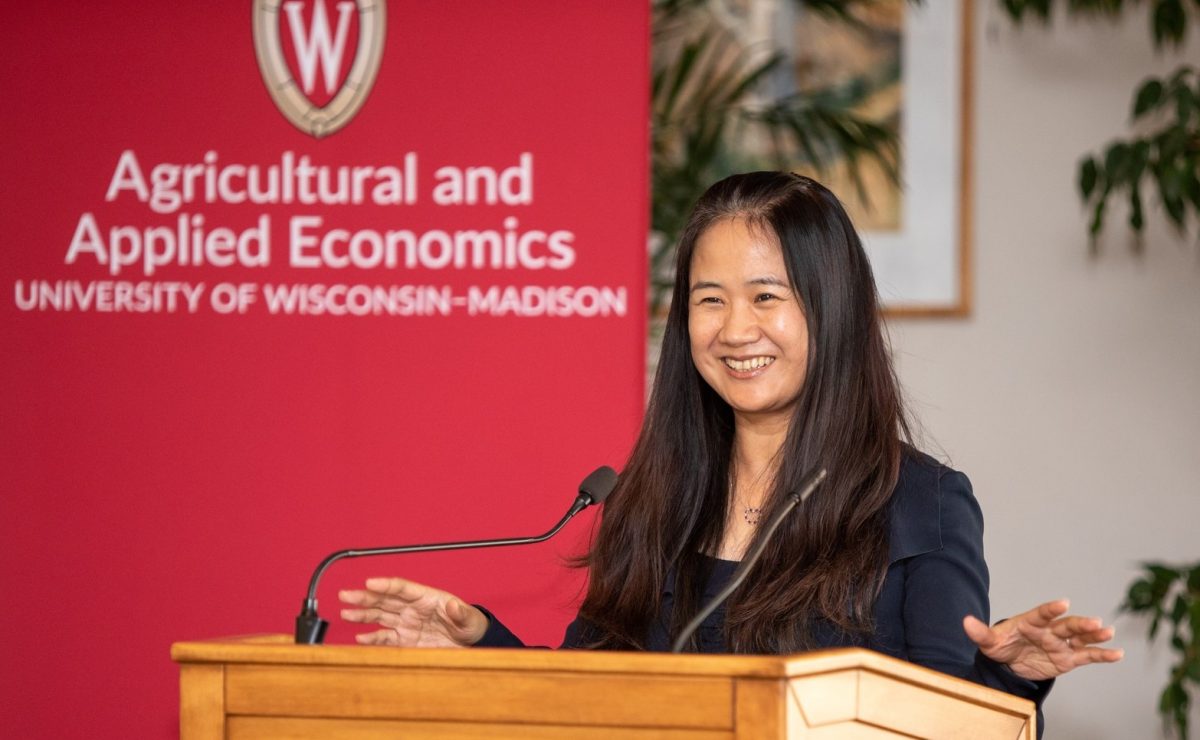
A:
412	615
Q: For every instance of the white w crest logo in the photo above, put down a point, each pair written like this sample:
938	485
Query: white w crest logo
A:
313	45
318	46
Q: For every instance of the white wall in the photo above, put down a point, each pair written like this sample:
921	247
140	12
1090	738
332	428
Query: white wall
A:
1071	397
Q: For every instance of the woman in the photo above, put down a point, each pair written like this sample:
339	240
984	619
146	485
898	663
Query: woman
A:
774	364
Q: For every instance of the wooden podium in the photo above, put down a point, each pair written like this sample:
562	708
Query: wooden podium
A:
266	687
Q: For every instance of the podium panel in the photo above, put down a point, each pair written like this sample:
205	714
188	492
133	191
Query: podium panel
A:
267	687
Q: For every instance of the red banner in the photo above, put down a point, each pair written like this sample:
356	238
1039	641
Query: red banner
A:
287	277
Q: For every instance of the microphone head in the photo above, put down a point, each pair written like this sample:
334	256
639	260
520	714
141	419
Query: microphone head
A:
598	485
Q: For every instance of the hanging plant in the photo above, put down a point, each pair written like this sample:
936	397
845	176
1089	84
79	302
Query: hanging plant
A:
1167	157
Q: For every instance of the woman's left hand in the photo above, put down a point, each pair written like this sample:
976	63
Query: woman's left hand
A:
1043	642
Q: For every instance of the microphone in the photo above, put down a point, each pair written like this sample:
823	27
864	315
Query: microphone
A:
793	500
310	628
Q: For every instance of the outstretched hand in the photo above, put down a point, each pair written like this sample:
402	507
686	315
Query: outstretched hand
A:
412	615
1043	643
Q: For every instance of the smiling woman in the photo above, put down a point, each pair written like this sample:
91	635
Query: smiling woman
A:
774	365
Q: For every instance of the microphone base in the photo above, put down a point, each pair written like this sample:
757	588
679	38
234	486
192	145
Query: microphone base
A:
310	629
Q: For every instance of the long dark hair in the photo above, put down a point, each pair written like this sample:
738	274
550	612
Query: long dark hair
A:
670	505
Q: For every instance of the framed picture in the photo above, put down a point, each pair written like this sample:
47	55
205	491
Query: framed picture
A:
904	68
922	262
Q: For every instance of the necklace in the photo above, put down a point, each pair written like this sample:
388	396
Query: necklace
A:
752	514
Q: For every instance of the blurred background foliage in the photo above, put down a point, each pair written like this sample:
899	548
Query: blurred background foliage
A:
1162	154
1170	596
719	81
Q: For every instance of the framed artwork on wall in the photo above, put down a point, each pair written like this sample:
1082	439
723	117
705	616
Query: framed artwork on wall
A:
922	262
892	64
906	68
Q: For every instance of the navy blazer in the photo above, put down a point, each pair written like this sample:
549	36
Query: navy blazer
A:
936	576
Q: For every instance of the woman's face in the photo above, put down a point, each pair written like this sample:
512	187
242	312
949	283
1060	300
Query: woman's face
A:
748	333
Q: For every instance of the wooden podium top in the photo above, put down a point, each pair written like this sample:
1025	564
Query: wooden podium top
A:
255	683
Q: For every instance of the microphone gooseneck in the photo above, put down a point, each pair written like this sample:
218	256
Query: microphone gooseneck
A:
793	500
310	627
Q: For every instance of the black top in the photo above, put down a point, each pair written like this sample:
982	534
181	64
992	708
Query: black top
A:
710	636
